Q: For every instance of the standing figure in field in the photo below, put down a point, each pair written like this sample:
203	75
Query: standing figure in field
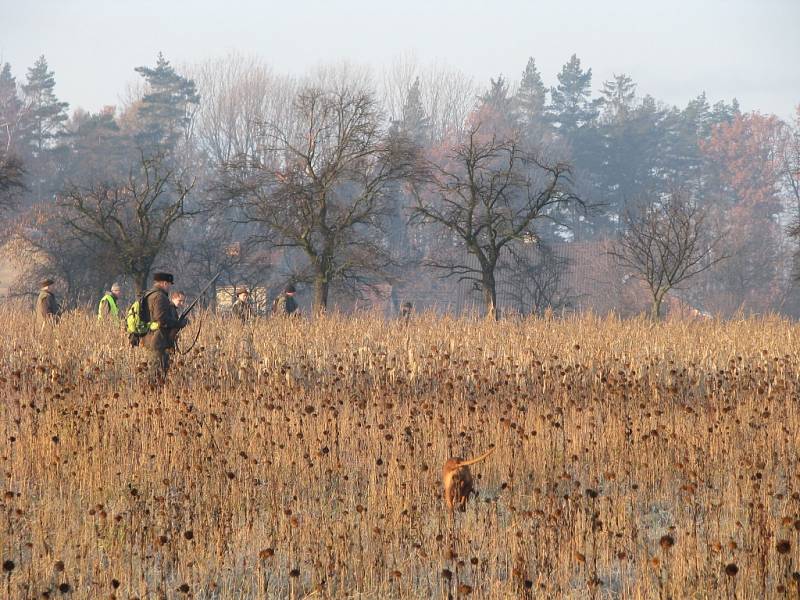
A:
178	299
163	316
405	310
108	309
242	308
47	307
285	304
458	483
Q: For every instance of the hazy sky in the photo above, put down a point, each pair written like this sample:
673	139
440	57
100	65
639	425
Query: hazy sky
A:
672	49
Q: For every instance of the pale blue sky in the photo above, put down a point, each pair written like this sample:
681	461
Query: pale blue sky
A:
673	50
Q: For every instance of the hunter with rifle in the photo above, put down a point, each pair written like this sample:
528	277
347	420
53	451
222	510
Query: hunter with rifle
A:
162	322
202	293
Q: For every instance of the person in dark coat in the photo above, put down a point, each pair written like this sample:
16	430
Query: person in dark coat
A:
406	309
47	307
285	304
160	310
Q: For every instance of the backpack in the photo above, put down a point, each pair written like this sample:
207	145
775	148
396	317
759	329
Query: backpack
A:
137	320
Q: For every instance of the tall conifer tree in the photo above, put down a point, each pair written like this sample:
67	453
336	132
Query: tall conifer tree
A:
496	98
10	107
45	114
618	96
531	98
571	105
414	121
167	107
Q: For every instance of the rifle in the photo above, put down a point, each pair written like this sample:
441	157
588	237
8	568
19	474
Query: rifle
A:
189	308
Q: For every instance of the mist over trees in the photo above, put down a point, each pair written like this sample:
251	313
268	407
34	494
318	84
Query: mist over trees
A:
488	191
412	183
319	184
665	244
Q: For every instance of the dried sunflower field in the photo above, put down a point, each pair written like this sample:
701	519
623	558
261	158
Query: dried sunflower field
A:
302	459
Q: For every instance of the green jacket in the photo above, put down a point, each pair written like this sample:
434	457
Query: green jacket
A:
108	308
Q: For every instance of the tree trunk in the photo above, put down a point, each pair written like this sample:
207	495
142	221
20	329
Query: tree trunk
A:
394	299
655	309
321	286
139	283
489	290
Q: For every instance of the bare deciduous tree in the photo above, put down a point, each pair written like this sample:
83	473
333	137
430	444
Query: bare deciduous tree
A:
132	218
40	246
789	161
447	95
487	193
215	245
789	168
319	184
665	244
238	95
537	279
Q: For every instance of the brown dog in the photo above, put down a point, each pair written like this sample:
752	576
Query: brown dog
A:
457	481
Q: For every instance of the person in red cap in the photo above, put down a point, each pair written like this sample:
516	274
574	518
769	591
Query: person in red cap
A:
163	316
285	305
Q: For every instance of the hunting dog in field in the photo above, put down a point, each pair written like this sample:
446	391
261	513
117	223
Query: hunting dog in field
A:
457	481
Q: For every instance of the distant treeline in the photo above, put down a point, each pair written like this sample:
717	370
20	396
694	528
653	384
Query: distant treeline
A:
368	187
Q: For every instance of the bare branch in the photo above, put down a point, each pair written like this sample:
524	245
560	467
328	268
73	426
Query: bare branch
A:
665	245
320	184
489	192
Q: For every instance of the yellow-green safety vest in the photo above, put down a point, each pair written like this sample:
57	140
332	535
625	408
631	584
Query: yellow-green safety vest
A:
112	307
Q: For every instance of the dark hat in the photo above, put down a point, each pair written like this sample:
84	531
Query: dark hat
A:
241	291
46	282
161	276
290	289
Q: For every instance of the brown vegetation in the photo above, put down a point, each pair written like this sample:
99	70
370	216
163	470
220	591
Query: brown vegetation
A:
301	458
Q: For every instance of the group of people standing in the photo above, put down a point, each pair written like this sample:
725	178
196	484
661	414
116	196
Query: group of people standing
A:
284	304
160	308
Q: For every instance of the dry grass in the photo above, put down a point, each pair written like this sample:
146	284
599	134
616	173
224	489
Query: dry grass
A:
298	459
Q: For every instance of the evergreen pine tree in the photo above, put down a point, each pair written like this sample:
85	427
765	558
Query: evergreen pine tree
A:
724	113
10	108
413	125
98	148
496	98
531	98
631	158
166	109
11	166
697	115
618	96
44	115
414	121
571	106
683	129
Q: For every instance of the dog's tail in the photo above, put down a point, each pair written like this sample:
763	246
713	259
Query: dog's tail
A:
466	463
